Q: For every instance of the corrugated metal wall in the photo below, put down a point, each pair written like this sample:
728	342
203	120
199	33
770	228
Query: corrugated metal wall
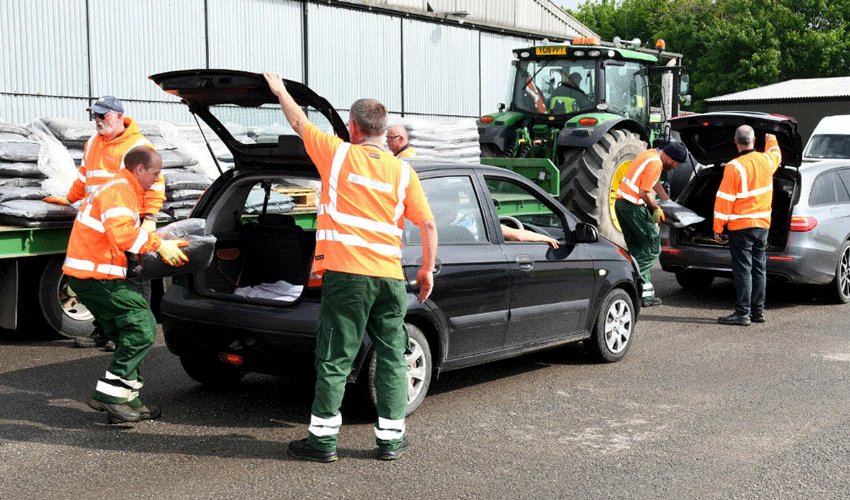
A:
807	113
58	55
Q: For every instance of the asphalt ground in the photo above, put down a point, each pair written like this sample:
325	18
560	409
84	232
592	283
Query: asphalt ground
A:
696	410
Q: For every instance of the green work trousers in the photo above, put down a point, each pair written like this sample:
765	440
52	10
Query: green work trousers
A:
352	304
641	234
127	321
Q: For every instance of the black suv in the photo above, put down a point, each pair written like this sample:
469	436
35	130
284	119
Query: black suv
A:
254	309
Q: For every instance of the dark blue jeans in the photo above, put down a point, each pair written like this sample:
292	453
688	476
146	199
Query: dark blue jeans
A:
749	268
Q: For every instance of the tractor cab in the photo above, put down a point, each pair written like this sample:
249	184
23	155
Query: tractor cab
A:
560	82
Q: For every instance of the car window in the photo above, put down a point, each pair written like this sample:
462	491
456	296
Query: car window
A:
282	196
844	175
262	124
456	212
828	189
521	208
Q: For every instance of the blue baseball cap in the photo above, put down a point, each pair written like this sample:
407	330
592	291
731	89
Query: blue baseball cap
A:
106	104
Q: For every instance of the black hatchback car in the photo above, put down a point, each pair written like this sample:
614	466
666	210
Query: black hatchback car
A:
254	309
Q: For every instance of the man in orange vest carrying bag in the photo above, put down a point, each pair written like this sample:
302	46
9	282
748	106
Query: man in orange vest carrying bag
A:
638	212
366	194
106	226
743	207
102	158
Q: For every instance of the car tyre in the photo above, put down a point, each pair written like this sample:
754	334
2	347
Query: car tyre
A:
614	329
838	290
60	306
207	368
694	281
419	370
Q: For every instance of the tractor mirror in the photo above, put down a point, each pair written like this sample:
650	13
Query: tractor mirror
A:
684	81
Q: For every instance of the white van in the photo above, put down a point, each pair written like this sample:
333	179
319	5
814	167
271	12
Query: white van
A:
830	139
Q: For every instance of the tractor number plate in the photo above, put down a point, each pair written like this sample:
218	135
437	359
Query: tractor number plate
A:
550	51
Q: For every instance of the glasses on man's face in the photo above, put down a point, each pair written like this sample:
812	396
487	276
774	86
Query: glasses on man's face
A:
98	116
393	137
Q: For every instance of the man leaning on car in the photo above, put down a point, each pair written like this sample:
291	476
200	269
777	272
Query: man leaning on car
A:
743	206
365	193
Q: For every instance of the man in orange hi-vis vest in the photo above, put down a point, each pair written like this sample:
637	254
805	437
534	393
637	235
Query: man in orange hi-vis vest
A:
106	226
397	141
366	194
639	214
102	158
743	207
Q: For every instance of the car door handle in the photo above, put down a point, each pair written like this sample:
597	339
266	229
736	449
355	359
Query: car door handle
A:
525	262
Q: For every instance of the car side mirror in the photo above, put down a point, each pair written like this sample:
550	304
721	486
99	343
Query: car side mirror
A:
585	233
501	106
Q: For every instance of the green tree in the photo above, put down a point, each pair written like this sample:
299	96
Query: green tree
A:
734	45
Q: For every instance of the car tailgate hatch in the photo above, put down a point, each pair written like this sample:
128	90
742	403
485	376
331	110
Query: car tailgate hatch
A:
710	136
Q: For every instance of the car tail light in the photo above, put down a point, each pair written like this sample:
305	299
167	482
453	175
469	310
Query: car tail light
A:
777	257
802	224
232	359
671	251
486	119
588	122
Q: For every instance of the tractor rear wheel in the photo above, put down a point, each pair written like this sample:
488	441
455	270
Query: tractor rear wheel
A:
590	178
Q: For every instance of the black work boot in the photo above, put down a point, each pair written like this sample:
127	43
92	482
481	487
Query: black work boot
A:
735	319
301	449
116	413
96	339
396	453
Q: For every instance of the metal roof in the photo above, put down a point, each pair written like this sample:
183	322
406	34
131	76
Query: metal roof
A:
808	88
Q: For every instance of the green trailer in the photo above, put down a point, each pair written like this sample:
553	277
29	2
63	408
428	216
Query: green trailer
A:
35	293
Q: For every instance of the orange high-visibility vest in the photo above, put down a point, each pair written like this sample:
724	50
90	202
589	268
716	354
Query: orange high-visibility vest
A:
643	173
406	152
532	90
103	158
746	191
106	226
366	194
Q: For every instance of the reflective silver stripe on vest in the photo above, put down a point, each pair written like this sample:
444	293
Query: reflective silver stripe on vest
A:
119	212
330	208
89	266
745	192
141	239
357	241
82	265
631	183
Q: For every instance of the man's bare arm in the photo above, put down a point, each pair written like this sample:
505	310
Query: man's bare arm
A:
293	112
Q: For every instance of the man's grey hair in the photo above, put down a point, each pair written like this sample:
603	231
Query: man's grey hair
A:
370	115
745	136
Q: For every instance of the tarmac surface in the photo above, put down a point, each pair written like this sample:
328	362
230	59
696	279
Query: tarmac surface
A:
696	410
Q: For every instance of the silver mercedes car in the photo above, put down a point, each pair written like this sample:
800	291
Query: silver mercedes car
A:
809	238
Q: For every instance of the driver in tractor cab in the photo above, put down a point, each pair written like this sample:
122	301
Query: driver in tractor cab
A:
568	96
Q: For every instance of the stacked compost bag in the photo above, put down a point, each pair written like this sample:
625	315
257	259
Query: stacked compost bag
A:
455	141
24	176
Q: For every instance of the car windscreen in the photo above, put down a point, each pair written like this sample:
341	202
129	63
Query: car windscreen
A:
828	146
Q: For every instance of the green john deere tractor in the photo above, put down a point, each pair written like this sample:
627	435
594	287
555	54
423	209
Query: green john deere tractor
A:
587	108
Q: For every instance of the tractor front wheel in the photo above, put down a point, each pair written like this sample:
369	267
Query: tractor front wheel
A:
590	178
